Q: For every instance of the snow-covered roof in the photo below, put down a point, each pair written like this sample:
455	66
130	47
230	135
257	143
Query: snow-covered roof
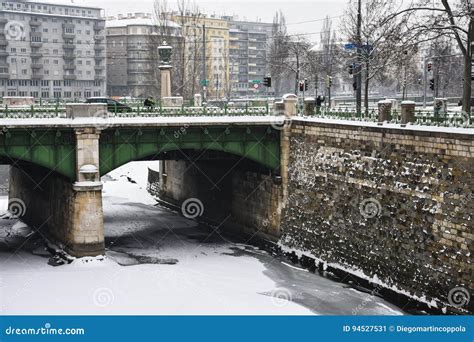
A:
69	3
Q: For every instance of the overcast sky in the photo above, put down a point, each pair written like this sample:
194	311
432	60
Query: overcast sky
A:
296	11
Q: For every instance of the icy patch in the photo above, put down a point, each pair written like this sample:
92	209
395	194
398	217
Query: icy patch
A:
129	182
358	273
91	262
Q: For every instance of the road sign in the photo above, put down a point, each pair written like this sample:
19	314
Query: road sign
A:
256	86
204	82
349	46
255	81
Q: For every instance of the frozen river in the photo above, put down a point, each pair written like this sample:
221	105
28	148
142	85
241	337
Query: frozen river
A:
160	263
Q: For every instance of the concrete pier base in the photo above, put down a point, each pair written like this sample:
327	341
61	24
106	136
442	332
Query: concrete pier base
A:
68	215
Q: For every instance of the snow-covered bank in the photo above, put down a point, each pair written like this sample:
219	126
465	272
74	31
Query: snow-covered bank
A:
175	267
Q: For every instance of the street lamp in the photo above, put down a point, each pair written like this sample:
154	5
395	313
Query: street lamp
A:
165	52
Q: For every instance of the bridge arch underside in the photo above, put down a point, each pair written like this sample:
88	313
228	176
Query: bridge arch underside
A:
232	171
259	144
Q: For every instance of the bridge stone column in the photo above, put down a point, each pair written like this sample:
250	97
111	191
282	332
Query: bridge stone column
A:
291	102
385	110
86	233
408	112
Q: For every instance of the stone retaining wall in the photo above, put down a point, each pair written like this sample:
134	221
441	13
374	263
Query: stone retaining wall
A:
393	206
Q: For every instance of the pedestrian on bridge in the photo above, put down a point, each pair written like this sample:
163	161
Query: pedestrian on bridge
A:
149	104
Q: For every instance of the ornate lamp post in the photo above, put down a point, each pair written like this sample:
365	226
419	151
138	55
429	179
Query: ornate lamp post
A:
165	52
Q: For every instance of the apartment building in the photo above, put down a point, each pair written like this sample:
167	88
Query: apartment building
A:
248	49
51	51
213	33
132	42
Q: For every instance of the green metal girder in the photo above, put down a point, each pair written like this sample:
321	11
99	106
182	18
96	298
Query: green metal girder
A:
120	146
49	148
55	149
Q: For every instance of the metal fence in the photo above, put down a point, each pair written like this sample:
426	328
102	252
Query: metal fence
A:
422	117
36	111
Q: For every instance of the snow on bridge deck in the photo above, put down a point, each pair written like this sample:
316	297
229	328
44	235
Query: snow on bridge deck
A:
142	121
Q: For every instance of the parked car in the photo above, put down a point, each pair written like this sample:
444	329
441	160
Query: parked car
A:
112	105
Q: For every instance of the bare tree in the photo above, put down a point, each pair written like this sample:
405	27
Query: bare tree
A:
447	69
330	55
161	33
296	62
404	72
278	51
454	19
382	41
180	30
189	47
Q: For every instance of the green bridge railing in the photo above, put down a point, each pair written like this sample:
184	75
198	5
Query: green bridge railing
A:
422	117
36	111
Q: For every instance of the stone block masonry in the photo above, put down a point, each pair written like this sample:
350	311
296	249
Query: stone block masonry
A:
391	205
241	199
69	217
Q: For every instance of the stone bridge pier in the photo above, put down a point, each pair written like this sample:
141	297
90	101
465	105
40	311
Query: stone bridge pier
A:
68	213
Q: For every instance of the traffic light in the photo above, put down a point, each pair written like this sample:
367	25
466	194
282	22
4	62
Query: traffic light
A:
354	86
305	85
351	69
302	84
267	81
329	81
430	66
432	84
